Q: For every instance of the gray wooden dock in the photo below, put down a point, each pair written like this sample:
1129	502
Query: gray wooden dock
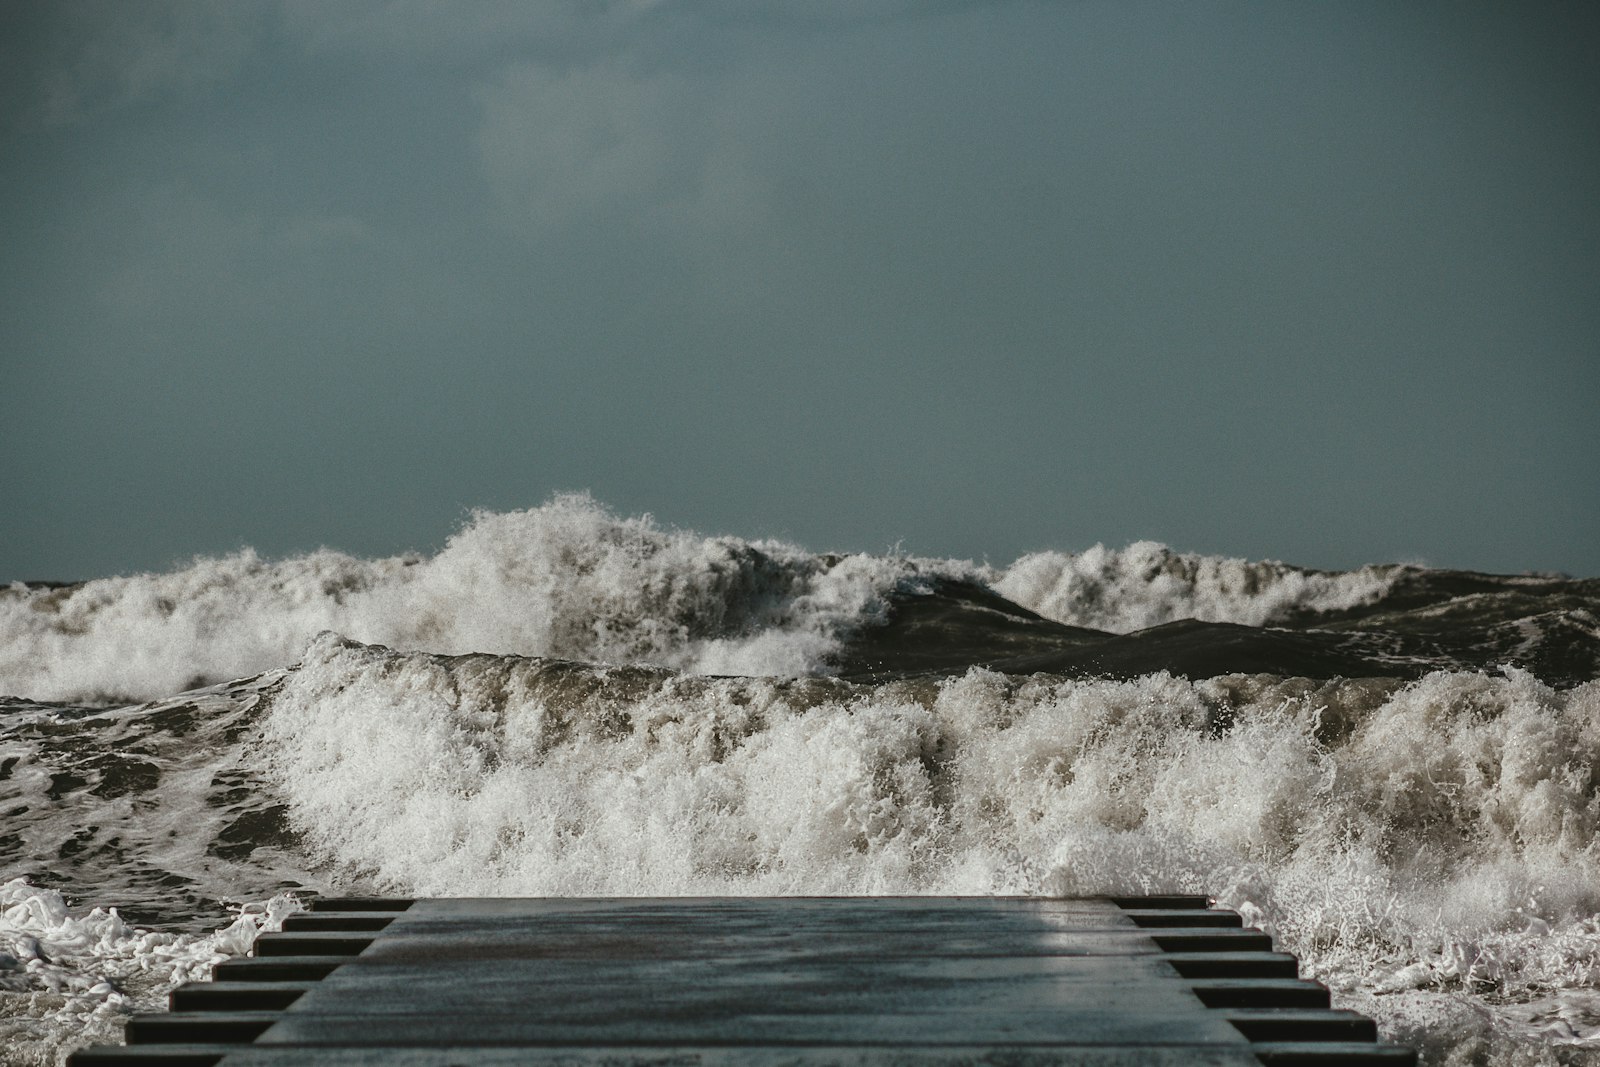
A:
762	982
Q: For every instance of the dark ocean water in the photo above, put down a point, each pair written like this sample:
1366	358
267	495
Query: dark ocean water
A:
1394	769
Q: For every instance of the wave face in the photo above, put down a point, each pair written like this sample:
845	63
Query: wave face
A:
1395	770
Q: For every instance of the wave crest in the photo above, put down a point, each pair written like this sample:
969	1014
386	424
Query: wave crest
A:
569	578
1147	584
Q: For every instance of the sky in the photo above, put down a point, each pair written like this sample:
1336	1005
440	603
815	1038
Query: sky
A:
1312	282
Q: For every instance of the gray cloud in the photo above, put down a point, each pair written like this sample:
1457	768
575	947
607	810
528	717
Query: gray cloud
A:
440	30
68	61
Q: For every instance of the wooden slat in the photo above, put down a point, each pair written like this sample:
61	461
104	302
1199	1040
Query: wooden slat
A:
757	982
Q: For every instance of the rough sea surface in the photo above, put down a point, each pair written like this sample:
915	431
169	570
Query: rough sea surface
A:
1395	770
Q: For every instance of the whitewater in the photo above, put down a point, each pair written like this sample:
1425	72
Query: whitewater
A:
1391	769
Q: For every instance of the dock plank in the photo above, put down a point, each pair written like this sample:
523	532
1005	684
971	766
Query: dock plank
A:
759	982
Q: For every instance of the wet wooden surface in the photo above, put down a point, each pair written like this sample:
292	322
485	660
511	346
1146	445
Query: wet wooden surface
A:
915	982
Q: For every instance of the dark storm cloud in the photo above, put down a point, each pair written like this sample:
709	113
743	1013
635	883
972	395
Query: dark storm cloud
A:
1314	282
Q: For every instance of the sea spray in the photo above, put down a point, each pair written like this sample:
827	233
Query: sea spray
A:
1420	844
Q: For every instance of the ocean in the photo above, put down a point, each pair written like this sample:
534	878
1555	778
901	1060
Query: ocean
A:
1395	770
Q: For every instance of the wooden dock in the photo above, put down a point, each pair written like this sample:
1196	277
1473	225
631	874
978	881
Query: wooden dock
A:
755	982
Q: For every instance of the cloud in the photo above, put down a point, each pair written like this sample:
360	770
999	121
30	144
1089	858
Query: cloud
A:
439	30
559	29
66	62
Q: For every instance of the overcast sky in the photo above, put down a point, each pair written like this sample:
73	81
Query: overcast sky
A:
1309	281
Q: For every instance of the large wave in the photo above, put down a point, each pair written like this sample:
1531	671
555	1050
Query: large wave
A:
1432	840
1368	821
573	579
570	578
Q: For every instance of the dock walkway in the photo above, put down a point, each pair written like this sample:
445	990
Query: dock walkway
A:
756	982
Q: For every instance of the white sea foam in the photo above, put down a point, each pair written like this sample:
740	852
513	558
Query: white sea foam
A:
1147	584
568	579
70	978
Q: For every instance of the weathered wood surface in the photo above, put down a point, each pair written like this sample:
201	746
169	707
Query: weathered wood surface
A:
870	982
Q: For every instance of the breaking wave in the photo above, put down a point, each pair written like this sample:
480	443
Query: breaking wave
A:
568	579
573	579
1148	584
1431	839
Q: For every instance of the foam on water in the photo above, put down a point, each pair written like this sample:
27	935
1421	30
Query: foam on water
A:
158	808
68	978
1147	584
1440	834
